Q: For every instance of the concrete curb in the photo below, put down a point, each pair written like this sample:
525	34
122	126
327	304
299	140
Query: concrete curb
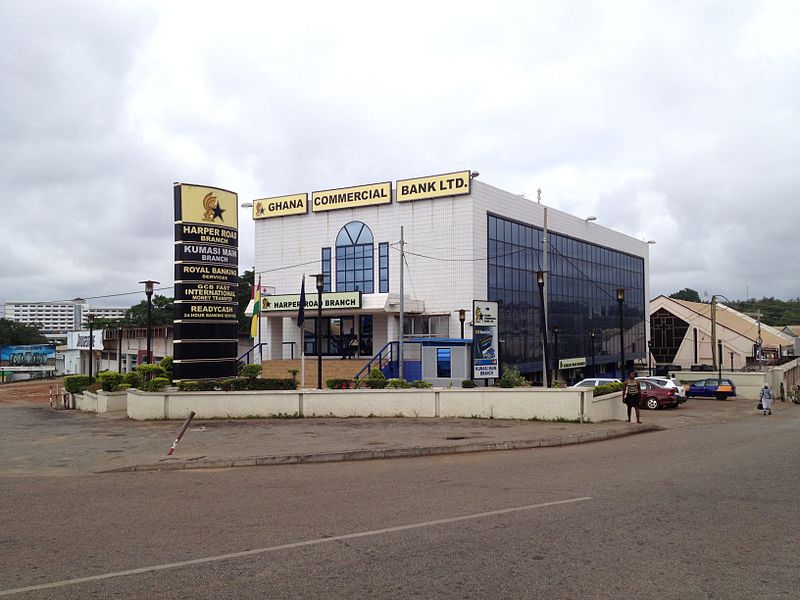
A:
409	452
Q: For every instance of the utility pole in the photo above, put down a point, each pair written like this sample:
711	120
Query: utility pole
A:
714	332
714	329
545	267
402	307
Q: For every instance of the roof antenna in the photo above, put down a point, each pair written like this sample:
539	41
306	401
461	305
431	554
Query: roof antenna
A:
539	195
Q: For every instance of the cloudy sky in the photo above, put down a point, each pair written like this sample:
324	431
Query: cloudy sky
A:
671	121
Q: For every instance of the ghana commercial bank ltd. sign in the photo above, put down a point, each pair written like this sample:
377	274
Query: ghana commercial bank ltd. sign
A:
406	190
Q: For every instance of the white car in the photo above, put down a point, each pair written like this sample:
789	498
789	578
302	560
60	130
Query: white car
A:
595	381
667	382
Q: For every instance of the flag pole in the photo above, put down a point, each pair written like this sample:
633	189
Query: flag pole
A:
260	347
303	343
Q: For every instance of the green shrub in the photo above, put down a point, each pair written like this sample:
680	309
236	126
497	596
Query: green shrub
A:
109	380
468	383
149	372
123	386
419	383
133	379
203	385
376	374
236	384
272	384
75	384
156	384
400	384
251	371
166	364
607	388
511	378
375	384
187	385
336	383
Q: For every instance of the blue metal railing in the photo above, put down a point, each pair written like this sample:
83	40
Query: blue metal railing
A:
246	356
383	360
388	362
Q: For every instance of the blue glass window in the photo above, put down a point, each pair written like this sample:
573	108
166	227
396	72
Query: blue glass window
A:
354	258
582	284
443	365
326	269
383	267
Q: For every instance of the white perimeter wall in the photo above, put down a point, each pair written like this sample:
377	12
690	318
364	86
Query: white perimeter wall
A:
519	403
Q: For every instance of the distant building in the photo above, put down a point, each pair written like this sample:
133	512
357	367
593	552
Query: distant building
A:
55	319
681	335
794	331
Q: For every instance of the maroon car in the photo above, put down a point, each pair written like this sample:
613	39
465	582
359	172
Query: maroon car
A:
654	396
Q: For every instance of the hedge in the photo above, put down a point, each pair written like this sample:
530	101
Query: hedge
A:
156	384
236	384
133	379
251	371
607	388
109	380
75	384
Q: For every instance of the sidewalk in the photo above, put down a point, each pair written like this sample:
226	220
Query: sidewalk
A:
37	440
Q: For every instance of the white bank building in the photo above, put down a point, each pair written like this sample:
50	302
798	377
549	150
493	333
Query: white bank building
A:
462	240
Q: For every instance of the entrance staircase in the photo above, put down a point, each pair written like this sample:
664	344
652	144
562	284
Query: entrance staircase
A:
334	368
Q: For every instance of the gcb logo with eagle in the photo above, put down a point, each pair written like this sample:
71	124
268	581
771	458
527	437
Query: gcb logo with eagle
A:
212	208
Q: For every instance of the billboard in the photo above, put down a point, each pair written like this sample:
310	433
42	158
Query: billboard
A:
485	347
28	357
433	186
206	279
351	197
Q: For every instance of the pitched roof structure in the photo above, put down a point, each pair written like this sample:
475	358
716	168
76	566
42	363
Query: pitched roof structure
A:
740	323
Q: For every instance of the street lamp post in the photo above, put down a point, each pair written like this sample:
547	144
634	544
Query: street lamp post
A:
90	321
621	300
320	280
650	357
591	343
148	290
556	331
461	316
543	321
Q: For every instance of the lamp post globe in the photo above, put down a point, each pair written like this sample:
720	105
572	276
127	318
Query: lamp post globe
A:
148	290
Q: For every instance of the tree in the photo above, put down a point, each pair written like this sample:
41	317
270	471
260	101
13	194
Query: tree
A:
136	315
243	293
14	333
687	294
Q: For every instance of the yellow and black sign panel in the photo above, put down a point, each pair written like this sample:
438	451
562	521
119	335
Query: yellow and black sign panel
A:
433	186
352	197
280	206
206	205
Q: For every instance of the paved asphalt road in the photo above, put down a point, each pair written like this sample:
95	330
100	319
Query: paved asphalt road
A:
708	510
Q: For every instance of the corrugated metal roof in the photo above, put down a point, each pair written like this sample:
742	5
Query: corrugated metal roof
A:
740	323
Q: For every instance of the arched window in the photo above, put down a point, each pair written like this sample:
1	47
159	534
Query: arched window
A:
354	251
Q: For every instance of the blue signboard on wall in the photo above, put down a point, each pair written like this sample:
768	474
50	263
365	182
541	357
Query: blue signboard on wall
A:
28	356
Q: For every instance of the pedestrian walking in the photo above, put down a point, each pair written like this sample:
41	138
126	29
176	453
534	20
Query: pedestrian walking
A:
766	399
632	395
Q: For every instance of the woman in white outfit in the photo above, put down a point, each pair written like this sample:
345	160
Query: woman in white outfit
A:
766	399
